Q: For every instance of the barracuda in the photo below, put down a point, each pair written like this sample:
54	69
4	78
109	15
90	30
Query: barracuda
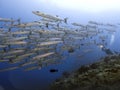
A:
9	68
49	43
43	55
16	43
49	16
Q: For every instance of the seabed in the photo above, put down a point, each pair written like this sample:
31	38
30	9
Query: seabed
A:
103	75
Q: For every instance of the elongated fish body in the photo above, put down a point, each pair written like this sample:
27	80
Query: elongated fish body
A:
21	57
49	16
50	32
21	25
49	43
91	26
46	23
19	32
33	24
77	24
93	22
9	56
18	39
74	32
15	51
15	39
6	20
8	69
32	68
3	46
46	15
41	22
4	60
111	30
48	20
16	43
40	49
28	63
78	38
25	55
54	39
43	55
51	60
111	25
2	34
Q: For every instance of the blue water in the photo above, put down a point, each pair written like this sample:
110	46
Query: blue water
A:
41	79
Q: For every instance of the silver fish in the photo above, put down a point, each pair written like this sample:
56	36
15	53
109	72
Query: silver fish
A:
48	20
15	51
54	39
4	60
16	39
93	22
3	46
16	43
77	24
28	63
49	16
41	49
21	57
19	32
43	55
9	56
32	68
49	43
6	20
9	68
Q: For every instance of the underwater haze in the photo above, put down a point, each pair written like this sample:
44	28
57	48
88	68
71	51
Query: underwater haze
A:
34	52
107	10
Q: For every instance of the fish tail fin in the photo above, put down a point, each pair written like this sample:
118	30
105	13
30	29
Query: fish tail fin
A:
58	25
19	21
47	25
65	20
12	21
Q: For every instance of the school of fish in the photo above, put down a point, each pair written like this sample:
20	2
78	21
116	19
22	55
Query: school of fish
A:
41	43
